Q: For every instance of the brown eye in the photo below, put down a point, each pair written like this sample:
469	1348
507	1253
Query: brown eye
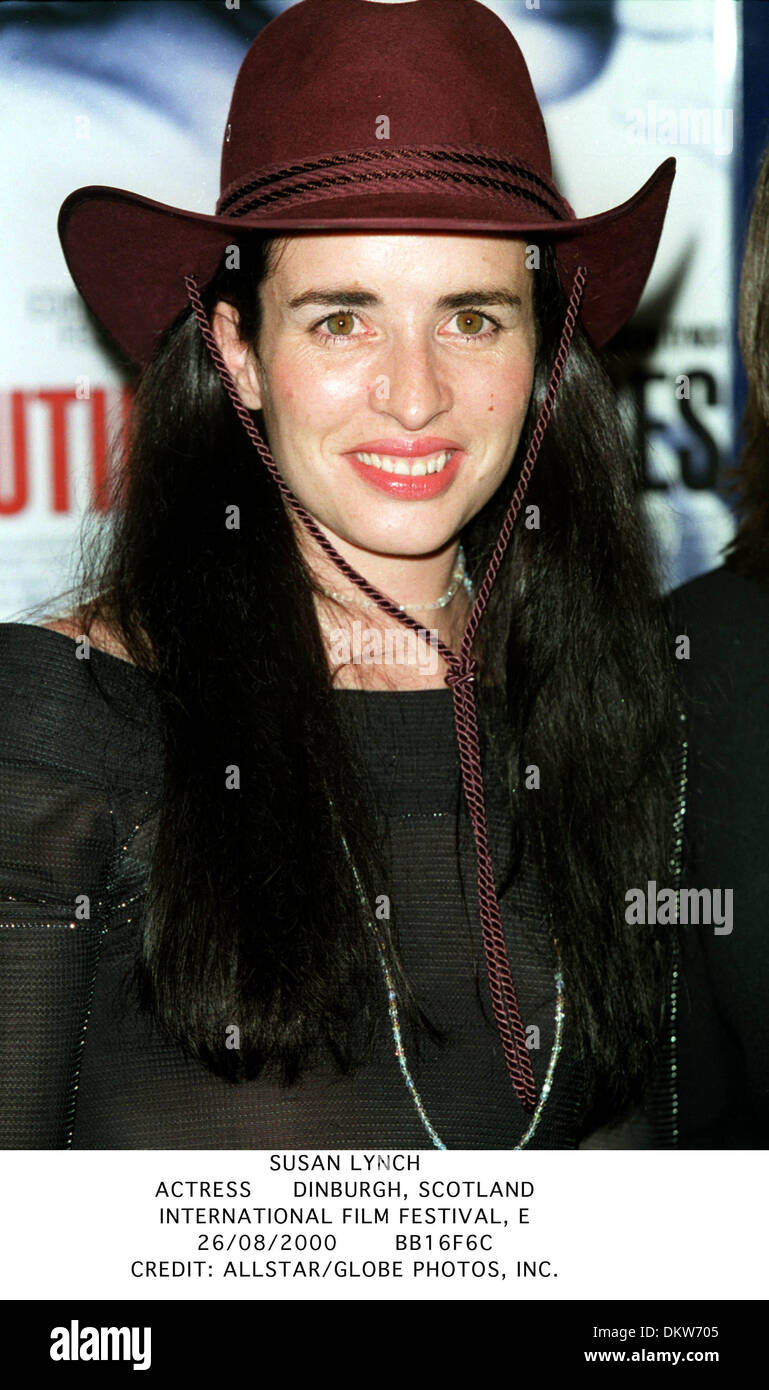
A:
340	325
470	321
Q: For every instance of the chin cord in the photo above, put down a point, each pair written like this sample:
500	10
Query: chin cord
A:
461	677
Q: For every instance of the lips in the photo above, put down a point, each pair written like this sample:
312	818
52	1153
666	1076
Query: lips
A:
408	468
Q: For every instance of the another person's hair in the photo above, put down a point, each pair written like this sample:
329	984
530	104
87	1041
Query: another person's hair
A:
748	552
253	916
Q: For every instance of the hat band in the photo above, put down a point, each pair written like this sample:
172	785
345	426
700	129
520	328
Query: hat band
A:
397	170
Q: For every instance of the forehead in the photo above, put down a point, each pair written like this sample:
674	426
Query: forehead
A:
390	258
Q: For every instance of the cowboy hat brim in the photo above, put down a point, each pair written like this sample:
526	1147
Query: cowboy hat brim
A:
128	255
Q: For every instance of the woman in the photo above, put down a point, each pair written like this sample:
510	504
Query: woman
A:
723	1035
250	802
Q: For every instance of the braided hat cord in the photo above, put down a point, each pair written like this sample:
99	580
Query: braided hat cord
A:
460	678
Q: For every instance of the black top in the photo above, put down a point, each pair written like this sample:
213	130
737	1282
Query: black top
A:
81	1067
723	1025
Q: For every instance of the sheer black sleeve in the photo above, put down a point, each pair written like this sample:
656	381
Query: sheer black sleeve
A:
60	819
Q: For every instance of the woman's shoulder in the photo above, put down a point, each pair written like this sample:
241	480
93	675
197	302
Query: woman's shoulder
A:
66	700
100	636
54	656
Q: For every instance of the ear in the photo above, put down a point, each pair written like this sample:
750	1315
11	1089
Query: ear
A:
237	354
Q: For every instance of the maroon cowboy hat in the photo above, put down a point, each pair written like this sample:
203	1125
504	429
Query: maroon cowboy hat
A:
350	115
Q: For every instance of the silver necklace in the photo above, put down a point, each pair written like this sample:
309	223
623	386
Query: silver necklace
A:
459	577
400	1052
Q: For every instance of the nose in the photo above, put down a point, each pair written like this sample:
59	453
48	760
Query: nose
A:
411	384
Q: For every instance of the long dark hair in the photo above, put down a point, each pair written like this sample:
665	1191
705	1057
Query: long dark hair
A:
253	918
748	552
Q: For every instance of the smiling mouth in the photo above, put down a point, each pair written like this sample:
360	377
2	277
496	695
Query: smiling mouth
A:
409	468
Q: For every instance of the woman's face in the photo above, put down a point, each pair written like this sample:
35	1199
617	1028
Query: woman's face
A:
416	351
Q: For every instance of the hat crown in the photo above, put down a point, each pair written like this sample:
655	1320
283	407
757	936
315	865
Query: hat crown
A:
365	117
331	76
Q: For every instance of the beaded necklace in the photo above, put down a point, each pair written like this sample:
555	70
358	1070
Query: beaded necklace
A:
458	577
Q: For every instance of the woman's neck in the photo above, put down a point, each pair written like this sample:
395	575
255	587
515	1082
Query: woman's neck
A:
369	650
365	647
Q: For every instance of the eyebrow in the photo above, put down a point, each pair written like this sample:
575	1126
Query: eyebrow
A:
363	299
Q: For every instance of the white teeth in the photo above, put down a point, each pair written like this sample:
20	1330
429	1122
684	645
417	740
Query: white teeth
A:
415	468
